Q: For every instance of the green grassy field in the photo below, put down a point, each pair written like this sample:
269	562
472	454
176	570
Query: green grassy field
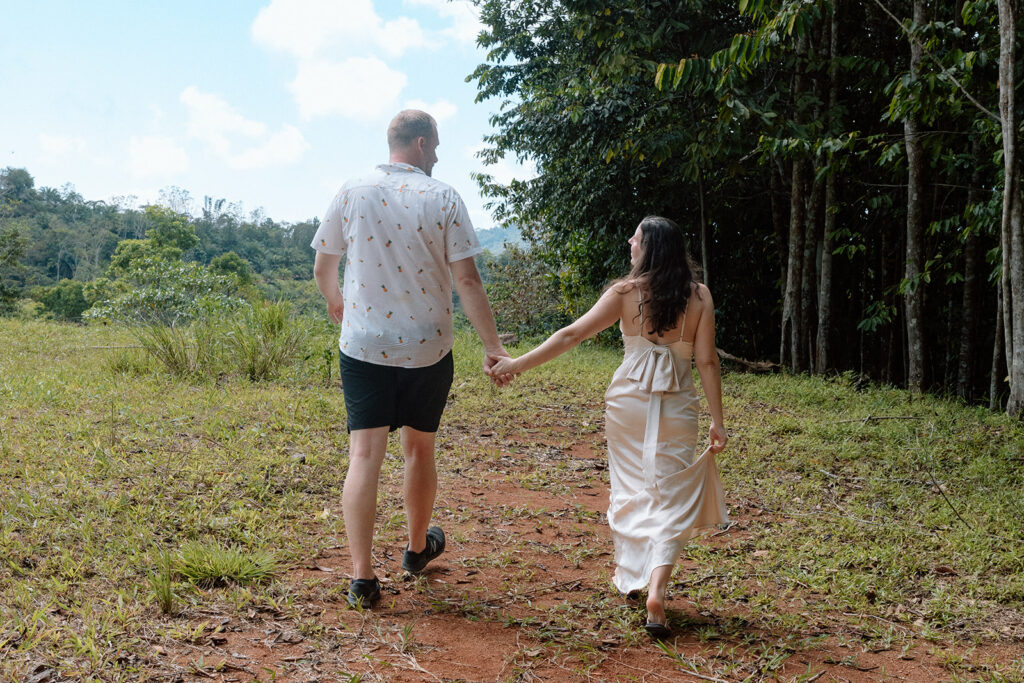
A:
131	500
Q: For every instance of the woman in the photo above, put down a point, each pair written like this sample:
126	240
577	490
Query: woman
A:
660	494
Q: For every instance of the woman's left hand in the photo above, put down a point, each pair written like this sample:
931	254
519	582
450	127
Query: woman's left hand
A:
505	367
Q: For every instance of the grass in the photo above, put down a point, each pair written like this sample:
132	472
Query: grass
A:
209	565
137	500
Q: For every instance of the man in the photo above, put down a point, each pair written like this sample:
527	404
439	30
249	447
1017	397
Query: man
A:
405	237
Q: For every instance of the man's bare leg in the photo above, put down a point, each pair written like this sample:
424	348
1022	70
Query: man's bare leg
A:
367	448
420	484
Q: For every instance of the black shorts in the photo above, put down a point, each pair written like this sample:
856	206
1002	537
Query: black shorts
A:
393	397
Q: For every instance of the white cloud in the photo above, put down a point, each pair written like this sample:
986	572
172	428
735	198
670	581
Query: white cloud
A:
153	155
284	147
215	122
59	145
305	28
362	88
464	17
442	110
212	120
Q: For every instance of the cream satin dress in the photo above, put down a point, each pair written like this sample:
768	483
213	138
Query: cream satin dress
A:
661	496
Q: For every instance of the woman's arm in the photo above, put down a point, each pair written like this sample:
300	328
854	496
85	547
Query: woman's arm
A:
603	314
706	356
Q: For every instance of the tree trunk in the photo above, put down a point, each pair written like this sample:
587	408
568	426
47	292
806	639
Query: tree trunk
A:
822	350
791	332
995	381
777	187
914	286
808	276
704	237
968	313
1012	240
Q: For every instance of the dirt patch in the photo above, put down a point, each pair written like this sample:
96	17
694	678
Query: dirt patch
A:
523	594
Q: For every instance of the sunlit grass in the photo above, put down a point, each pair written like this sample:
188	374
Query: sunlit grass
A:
896	529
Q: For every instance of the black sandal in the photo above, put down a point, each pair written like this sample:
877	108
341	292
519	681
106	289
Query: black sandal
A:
657	631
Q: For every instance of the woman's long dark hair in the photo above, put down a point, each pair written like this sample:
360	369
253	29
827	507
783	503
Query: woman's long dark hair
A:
664	273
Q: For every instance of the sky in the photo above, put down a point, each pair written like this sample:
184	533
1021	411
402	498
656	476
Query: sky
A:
268	103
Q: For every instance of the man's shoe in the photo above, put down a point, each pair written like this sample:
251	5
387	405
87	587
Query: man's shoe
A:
363	593
414	563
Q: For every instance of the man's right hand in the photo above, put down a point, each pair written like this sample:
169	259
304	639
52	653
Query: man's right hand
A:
490	359
336	309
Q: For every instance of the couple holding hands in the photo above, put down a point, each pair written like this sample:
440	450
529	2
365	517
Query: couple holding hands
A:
405	239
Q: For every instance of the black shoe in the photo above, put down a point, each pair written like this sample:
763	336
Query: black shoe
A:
657	631
363	593
416	562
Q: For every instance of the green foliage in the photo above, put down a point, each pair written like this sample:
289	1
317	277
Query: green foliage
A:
12	249
186	351
257	342
170	229
154	290
230	262
525	300
66	300
263	339
131	255
843	530
208	565
161	582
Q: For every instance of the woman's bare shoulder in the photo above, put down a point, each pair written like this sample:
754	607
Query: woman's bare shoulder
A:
701	294
624	286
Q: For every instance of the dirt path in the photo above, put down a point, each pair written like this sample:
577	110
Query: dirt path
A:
521	594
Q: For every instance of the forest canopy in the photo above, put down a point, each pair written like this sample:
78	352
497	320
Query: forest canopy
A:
846	171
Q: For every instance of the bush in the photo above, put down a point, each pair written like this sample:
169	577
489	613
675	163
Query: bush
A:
230	263
210	565
525	298
258	342
263	340
154	290
65	300
182	351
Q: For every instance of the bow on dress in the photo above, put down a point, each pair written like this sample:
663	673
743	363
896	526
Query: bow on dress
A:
656	372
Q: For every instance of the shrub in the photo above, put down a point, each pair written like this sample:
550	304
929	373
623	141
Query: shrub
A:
230	263
210	565
183	351
167	292
525	298
65	300
263	339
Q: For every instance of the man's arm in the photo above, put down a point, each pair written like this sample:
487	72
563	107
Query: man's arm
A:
325	272
478	309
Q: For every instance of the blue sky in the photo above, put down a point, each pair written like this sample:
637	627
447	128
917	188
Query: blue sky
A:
271	103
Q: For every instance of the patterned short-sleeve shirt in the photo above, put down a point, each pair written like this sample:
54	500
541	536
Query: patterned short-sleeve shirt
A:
398	230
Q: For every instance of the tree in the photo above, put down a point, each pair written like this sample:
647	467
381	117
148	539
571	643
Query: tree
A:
1012	238
12	249
170	229
231	263
914	283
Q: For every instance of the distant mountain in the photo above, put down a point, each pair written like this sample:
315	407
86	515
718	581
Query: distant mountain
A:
494	239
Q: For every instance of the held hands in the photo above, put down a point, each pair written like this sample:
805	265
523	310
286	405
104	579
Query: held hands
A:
717	438
499	367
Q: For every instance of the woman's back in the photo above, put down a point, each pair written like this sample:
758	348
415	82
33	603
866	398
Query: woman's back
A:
632	323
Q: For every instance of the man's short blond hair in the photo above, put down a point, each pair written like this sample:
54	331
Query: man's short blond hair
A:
408	125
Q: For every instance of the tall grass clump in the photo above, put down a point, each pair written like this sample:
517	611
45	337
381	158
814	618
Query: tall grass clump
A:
209	565
162	582
263	339
184	351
